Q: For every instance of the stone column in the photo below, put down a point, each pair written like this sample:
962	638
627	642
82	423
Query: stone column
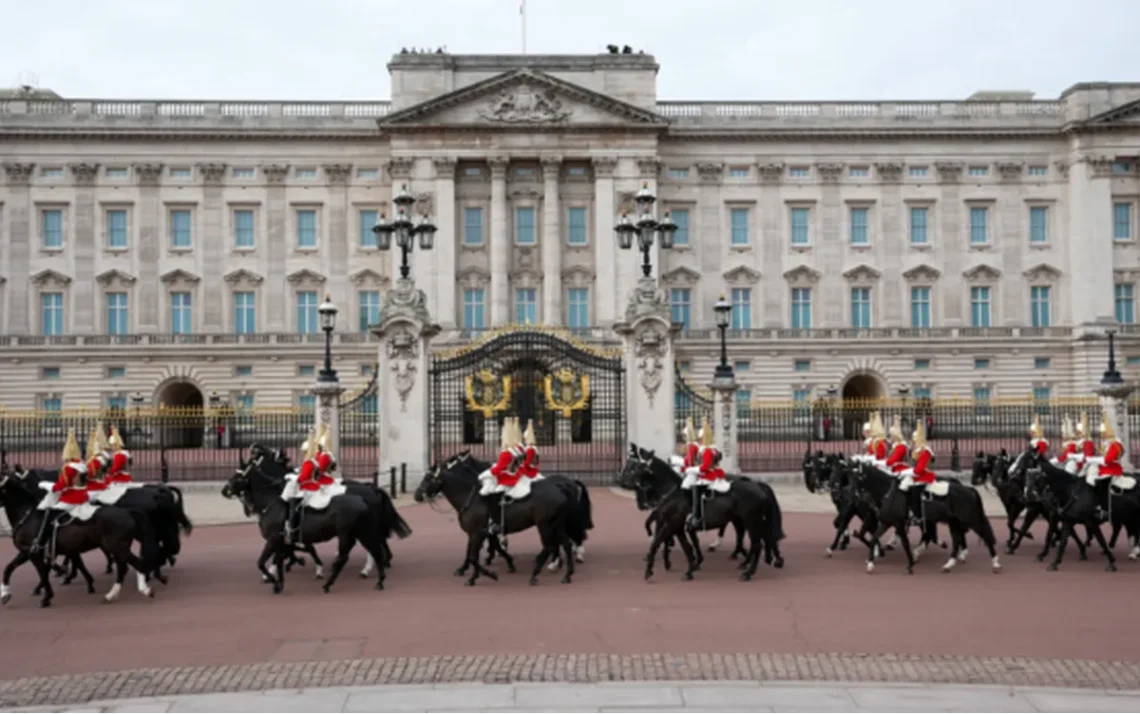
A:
500	244
949	218
21	234
551	243
83	289
337	245
1113	392
446	242
405	329
276	290
328	394
211	246
605	243
149	251
724	422
828	252
647	332
1090	240
774	238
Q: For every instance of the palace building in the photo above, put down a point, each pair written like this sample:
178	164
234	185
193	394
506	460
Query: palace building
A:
167	251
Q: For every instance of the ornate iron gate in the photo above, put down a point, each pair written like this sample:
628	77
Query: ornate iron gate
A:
359	436
689	403
574	393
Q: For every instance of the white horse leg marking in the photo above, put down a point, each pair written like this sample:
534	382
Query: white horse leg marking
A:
369	563
715	544
828	551
870	566
143	587
962	555
113	594
894	539
5	592
950	564
919	550
996	564
1133	555
580	553
318	572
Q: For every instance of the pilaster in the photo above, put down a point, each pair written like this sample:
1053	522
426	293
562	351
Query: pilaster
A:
328	411
19	209
605	241
551	242
211	245
83	252
1090	240
339	236
446	241
647	332
149	251
276	297
724	422
500	243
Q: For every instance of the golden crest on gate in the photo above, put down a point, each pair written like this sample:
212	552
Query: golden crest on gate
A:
567	392
487	392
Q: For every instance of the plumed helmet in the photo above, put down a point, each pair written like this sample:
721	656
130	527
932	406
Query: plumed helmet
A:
1083	425
1035	429
919	436
71	447
505	434
1106	429
706	432
528	435
309	448
690	432
867	427
1067	428
93	442
896	430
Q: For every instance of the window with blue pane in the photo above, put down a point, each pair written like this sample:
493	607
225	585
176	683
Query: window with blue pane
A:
1042	362
921	392
982	401
1039	299
743	402
739	220
117	228
800	234
307	228
680	302
51	313
369	309
181	313
859	223
1042	394
116	372
919	216
861	308
473	225
979	225
801	308
117	404
576	226
741	308
52	404
1125	304
801	400
244	402
524	226
243	228
980	306
680	216
51	228
245	313
307	316
920	307
370	404
526	306
1038	224
367	223
578	308
1122	221
181	233
307	404
118	319
474	306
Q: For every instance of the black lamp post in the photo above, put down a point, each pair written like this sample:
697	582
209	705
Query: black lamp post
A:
1111	375
645	228
327	312
723	310
404	229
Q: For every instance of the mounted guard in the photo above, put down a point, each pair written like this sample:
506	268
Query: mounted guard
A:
118	480
1037	437
920	479
692	445
292	493
868	453
68	495
1085	447
896	461
1068	443
97	461
1108	464
705	474
503	477
529	466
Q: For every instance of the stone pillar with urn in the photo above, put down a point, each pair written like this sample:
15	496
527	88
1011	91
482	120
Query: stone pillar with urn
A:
327	389
724	395
1113	393
647	332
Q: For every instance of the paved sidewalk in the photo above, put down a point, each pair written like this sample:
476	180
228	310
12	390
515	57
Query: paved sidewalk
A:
637	697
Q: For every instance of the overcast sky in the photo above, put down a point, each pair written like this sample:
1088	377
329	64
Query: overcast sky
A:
707	49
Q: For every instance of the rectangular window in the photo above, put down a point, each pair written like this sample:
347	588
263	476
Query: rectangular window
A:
576	226
307	405
979	170
739	220
801	400
243	228
981	363
859	234
859	172
738	172
741	365
474	305
922	363
116	372
305	173
922	393
1133	360
578	308
802	365
181	313
243	370
180	173
918	222
51	404
181	232
918	171
576	171
306	228
1041	362
524	225
245	313
1042	394
117	173
799	172
51	172
244	403
741	308
118	322
51	229
307	322
306	370
982	400
920	307
680	216
370	405
1038	225
369	309
367	174
473	225
51	313
117	228
980	306
244	173
1125	304
472	171
1121	167
1038	170
525	172
1039	305
367	223
1122	221
117	404
800	233
49	373
526	306
680	301
861	308
801	308
678	173
979	225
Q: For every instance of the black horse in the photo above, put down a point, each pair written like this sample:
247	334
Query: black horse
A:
831	472
1078	504
1040	502
110	528
1007	476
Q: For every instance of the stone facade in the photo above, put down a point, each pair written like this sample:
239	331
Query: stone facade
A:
873	245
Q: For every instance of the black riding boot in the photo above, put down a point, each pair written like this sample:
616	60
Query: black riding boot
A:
914	503
694	517
45	527
292	518
1103	499
495	508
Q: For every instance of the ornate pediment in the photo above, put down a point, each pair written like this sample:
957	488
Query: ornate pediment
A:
681	276
922	273
862	273
474	277
1042	273
367	276
522	98
305	276
113	276
243	276
526	277
742	275
578	276
802	274
982	273
1127	113
178	275
50	277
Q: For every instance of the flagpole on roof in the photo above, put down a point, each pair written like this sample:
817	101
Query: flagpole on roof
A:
522	21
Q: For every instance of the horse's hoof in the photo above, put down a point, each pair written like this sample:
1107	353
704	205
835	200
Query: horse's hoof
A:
745	577
687	576
493	576
470	582
778	563
827	552
161	579
1083	556
5	598
277	588
90	589
648	574
266	579
47	603
534	581
742	566
460	572
1111	568
173	561
149	594
1008	550
379	586
1052	567
909	570
511	568
870	567
1040	558
565	580
668	566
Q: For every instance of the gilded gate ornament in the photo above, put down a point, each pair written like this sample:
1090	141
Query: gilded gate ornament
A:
488	393
567	392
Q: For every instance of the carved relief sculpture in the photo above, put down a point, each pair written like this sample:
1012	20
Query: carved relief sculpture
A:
1010	170
337	173
650	351
525	104
403	351
148	174
889	171
830	172
212	173
949	171
400	167
85	174
770	172
19	174
275	173
710	172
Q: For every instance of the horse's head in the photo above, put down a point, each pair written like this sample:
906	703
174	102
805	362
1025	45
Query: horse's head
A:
645	474
431	485
240	485
980	472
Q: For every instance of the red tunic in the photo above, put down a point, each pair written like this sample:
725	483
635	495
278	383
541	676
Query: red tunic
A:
324	461
880	451
95	480
921	461
310	477
896	462
709	471
529	467
1070	450
1040	446
118	471
1112	465
500	470
1085	449
870	444
691	453
67	485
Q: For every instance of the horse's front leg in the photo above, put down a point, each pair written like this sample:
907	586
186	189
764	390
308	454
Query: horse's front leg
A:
1104	546
875	548
690	550
1066	532
474	547
720	539
738	549
267	573
842	523
496	546
901	530
45	575
659	536
1032	512
5	583
81	567
694	540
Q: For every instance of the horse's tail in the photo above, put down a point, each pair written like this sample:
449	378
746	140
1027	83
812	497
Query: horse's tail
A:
775	514
180	511
586	508
984	528
394	523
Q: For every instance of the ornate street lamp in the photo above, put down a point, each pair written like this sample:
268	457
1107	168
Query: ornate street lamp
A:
645	228
404	229
723	310
327	312
1112	374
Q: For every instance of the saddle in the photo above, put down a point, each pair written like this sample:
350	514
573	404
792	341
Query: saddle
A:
1120	484
938	489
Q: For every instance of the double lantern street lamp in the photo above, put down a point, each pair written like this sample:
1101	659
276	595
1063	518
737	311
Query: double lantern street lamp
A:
645	228
404	229
327	312
723	310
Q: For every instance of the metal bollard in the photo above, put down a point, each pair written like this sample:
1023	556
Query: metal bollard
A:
955	461
392	482
403	477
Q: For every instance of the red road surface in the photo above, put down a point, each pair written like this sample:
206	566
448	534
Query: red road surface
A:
216	611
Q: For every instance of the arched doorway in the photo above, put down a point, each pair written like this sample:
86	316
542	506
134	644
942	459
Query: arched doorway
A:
182	427
858	394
